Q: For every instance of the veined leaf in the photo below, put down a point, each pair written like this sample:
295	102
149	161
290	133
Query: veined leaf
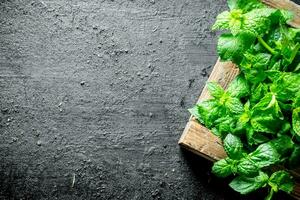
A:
245	185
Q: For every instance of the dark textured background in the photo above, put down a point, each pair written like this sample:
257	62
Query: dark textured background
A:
99	91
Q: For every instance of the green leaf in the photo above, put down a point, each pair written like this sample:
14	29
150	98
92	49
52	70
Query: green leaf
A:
291	53
284	40
250	135
256	61
268	102
215	89
239	87
236	21
296	120
244	119
224	100
297	68
232	47
283	144
294	161
265	124
266	115
224	125
276	66
195	112
255	138
274	75
285	16
281	180
234	105
216	132
223	168
233	146
232	4
286	86
258	92
229	20
286	127
206	112
254	66
222	22
245	185
296	100
258	21
245	5
265	155
261	60
247	168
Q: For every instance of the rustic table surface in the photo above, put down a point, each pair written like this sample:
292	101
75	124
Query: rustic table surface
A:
94	96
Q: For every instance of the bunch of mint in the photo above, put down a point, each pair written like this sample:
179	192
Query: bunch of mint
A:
258	116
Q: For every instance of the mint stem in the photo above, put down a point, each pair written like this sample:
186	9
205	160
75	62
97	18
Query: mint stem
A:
261	41
270	195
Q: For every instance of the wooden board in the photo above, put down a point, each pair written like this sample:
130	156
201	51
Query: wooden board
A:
199	139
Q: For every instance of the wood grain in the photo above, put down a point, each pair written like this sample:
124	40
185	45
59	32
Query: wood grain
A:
199	139
223	73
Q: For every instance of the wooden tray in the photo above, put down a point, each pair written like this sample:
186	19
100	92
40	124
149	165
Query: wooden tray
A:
199	139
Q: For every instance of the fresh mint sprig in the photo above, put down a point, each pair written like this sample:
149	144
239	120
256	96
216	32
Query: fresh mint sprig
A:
258	115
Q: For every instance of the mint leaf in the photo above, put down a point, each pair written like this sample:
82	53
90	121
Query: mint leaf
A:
265	155
236	21
223	168
254	66
234	105
222	22
245	5
286	86
232	47
285	16
283	145
257	93
224	125
255	138
281	180
258	116
296	100
258	21
247	168
261	60
294	161
223	99
266	115
206	112
296	120
239	87
215	89
233	146
245	185
232	20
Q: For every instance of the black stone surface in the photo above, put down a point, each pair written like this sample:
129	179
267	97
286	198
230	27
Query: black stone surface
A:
94	97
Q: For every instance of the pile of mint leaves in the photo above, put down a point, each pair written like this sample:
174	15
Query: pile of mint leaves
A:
258	115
